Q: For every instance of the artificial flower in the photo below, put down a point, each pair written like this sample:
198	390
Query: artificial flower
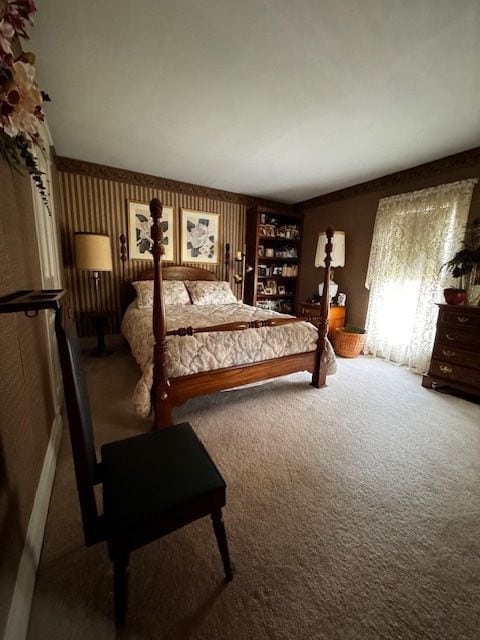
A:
23	118
17	12
20	98
6	35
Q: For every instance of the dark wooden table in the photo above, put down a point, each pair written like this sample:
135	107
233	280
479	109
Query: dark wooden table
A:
99	320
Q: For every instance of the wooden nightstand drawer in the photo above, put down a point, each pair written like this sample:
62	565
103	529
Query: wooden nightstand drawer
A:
455	373
336	315
455	355
459	318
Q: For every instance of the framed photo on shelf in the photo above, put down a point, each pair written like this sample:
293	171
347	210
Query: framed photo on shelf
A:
275	305
139	228
281	290
200	237
270	230
260	288
272	284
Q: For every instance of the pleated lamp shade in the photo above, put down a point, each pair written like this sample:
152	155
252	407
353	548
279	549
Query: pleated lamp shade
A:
93	252
338	251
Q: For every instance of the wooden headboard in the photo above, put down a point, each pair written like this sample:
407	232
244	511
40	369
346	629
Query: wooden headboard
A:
179	272
169	272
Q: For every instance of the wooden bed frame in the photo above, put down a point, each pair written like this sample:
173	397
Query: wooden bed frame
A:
168	393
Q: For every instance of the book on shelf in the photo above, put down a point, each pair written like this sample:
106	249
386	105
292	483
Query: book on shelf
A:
281	305
285	271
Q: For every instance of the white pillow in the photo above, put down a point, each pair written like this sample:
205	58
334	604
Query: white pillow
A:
174	292
204	292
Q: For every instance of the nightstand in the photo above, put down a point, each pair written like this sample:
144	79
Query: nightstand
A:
336	315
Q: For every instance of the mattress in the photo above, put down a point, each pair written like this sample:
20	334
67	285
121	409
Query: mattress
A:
212	350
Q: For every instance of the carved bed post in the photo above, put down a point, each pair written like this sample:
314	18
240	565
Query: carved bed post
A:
123	258
227	262
161	397
320	370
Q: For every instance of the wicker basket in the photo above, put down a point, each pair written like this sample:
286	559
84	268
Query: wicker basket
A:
348	345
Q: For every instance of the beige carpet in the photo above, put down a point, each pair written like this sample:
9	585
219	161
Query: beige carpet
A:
353	513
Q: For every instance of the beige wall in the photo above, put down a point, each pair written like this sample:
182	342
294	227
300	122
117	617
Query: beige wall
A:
26	413
354	210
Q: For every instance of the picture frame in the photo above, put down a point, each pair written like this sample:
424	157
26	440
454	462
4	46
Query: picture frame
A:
260	288
281	290
275	305
199	237
139	223
270	230
272	284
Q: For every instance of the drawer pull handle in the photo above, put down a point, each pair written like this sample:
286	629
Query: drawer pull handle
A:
448	353
463	319
449	337
445	369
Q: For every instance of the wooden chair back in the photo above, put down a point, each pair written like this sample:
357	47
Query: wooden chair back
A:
87	469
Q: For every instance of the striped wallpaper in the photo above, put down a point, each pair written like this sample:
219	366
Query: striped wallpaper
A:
99	205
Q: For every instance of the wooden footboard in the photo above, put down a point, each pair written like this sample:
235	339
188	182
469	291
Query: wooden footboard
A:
199	384
168	393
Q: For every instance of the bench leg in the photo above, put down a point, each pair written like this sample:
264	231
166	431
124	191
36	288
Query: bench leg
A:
120	586
221	536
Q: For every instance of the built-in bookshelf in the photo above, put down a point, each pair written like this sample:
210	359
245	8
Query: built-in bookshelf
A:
273	250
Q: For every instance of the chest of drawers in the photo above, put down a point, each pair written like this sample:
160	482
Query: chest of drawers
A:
456	351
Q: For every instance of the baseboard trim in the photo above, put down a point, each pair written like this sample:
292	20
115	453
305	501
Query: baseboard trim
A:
19	613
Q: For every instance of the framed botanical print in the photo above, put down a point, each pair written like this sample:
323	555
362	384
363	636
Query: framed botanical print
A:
200	237
139	227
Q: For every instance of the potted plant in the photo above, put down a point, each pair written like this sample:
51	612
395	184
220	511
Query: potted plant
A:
464	262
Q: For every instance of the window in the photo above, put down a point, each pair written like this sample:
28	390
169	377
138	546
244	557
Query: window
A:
415	234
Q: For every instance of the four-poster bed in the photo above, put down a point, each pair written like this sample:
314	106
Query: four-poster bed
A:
170	386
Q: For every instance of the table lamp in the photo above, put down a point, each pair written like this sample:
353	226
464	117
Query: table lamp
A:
93	252
338	258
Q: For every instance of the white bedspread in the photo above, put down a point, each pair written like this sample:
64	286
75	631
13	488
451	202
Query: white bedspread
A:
212	350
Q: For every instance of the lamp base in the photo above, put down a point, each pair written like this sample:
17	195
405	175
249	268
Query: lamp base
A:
332	289
101	349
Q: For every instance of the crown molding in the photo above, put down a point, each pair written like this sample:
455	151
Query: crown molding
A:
461	160
82	167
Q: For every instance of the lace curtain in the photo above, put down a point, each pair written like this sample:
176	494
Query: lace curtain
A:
415	234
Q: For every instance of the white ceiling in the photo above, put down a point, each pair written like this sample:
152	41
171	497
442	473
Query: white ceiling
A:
283	99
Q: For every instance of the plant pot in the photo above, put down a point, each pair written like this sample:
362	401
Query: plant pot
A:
454	296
